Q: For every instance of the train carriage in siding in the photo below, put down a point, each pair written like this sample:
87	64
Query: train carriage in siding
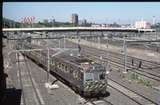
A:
83	75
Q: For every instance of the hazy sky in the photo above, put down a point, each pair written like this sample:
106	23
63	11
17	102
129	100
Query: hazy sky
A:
101	12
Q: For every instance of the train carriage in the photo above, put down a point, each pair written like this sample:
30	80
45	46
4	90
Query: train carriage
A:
83	75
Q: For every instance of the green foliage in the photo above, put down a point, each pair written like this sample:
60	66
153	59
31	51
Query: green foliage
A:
7	23
140	80
134	76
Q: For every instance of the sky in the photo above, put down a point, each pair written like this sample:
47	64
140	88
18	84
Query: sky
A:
99	12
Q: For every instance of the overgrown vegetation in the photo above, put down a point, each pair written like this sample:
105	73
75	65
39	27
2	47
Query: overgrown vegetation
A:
140	80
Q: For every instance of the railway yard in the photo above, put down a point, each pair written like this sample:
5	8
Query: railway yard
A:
133	79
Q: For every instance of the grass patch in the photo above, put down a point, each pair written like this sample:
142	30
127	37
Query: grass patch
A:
139	79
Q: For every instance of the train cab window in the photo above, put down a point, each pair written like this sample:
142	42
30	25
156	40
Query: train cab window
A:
88	77
101	76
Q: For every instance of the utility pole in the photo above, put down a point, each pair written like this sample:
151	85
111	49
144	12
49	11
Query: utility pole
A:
59	43
153	20
48	66
99	42
64	42
125	54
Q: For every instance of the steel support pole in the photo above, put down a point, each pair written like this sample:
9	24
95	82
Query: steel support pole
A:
48	66
90	42
59	43
99	42
64	42
125	55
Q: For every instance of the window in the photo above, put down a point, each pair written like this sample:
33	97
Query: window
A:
80	75
102	76
71	70
75	74
88	77
62	67
53	62
67	69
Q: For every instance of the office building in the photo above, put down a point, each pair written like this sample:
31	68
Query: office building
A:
74	19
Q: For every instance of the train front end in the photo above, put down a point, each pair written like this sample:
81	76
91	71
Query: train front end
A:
95	80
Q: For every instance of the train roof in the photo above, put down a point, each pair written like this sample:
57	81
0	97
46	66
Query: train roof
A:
71	57
80	61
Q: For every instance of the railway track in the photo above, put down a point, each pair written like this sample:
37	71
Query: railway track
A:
28	85
120	43
21	83
137	95
120	65
97	103
117	60
87	101
120	56
144	98
139	103
146	64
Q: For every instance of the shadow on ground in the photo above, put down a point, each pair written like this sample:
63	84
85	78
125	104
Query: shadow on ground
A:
12	97
98	96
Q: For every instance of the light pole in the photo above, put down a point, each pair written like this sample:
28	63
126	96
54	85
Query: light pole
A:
153	20
59	43
64	41
48	66
99	42
125	55
107	73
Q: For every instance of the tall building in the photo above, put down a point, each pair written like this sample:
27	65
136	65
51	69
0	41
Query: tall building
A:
82	22
45	21
74	19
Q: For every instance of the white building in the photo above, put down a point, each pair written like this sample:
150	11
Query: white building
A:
142	25
95	25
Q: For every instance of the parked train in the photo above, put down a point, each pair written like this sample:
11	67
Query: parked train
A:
83	75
